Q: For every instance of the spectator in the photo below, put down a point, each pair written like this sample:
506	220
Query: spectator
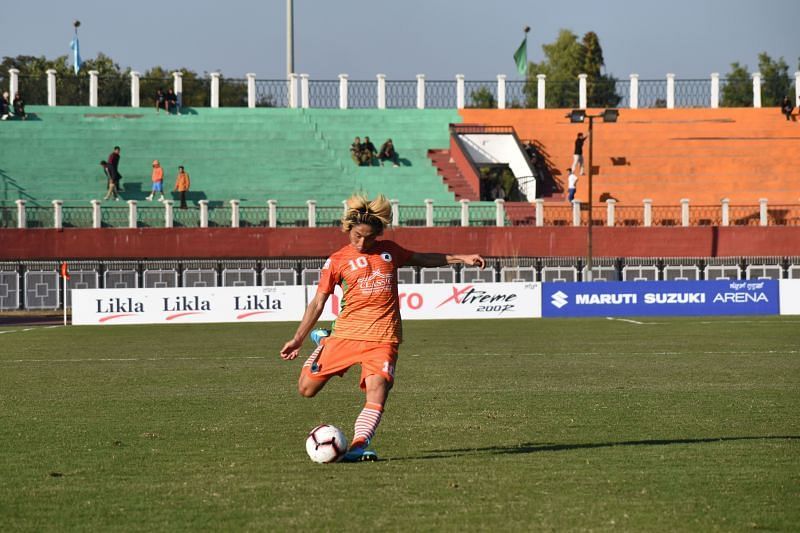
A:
19	107
111	191
388	153
497	192
172	103
787	107
161	101
182	185
113	162
577	155
572	184
368	151
355	151
4	106
158	181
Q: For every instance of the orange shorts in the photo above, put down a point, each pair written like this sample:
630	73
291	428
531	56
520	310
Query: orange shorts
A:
338	355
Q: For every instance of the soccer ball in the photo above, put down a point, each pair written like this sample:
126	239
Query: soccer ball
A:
326	444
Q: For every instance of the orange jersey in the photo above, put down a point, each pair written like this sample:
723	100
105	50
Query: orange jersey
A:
370	308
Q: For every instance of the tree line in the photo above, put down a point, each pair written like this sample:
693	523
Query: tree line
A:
115	83
564	59
567	57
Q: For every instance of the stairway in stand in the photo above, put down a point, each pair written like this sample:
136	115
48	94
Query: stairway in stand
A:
451	176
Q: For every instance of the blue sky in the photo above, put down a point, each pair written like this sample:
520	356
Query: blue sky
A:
402	38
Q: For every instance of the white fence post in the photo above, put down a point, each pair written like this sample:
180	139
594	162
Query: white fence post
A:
312	213
203	213
684	212
93	88
214	89
500	212
670	91
133	218
381	103
428	213
177	88
134	88
272	213
97	217
395	212
51	87
459	91
501	91
763	219
13	83
634	99
756	89
234	213
342	91
539	212
714	90
611	203
293	90
169	215
22	221
304	91
251	89
541	87
576	212
648	212
464	212
420	91
726	212
582	90
796	88
58	214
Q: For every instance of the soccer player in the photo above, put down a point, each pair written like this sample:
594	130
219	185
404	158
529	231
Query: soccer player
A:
368	330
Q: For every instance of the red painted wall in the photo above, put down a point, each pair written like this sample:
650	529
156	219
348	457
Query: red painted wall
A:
218	243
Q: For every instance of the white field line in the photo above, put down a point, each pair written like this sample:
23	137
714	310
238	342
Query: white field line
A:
29	329
129	359
628	320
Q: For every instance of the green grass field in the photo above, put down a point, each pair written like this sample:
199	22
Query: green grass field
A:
519	425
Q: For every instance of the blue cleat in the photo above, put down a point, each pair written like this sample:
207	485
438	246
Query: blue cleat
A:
318	334
359	453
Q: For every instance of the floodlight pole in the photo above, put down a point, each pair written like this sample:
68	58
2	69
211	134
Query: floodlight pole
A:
591	222
289	37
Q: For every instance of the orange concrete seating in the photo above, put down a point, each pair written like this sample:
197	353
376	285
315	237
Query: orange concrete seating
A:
668	154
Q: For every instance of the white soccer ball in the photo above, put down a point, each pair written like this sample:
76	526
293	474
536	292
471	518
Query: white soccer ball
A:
326	444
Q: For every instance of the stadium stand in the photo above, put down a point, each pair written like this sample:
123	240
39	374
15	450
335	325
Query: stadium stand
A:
248	154
668	154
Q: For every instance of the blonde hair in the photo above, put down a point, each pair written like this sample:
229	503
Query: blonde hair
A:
360	210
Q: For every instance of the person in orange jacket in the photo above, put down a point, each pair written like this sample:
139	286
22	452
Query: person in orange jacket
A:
182	185
158	181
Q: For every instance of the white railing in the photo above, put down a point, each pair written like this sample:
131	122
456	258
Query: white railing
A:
497	213
297	91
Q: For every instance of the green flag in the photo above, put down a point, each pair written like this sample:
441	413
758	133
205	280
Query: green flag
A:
521	57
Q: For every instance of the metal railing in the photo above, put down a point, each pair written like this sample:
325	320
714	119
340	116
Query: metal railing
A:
115	90
220	214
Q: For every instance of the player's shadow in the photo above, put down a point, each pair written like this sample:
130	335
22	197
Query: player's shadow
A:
532	447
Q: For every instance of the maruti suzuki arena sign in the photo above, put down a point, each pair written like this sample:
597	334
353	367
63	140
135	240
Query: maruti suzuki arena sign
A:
660	298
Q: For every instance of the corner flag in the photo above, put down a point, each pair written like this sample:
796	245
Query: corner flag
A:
521	57
76	53
64	270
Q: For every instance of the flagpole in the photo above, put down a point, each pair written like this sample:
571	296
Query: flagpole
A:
65	276
65	298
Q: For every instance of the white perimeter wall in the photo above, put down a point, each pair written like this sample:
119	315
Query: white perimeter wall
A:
501	148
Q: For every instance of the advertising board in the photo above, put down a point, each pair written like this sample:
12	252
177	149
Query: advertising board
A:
187	305
660	298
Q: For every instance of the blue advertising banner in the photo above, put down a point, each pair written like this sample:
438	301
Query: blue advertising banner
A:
661	298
